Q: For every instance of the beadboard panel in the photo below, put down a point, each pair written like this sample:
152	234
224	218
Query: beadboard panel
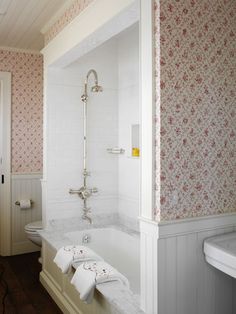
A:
25	186
175	278
187	283
234	297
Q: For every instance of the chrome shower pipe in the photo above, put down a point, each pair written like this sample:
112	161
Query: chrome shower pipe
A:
85	140
84	98
84	192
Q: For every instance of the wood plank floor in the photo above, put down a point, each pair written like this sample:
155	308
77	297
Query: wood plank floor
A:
26	295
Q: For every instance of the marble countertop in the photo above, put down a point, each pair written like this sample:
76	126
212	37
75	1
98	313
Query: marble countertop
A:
123	300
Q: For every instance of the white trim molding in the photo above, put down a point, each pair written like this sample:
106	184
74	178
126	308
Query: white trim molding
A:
149	266
91	27
147	109
20	50
5	151
180	227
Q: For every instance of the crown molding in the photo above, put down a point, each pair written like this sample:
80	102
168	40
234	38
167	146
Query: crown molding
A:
56	16
13	49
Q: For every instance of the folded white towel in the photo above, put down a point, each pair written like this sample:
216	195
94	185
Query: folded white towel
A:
90	274
74	253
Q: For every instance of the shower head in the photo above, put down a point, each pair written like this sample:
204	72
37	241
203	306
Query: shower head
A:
96	89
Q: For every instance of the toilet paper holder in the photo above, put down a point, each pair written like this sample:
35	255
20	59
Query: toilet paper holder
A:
18	203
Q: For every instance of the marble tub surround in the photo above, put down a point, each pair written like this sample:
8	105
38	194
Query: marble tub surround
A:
60	226
121	299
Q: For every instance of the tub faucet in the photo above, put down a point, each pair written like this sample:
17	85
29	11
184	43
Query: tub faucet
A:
86	217
84	193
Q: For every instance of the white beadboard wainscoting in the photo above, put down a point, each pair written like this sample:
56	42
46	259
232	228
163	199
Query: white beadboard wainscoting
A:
25	186
234	297
184	282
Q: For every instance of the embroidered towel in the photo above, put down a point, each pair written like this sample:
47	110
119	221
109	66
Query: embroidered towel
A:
74	253
90	274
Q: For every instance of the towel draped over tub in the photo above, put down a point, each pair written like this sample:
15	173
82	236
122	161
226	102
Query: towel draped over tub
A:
91	270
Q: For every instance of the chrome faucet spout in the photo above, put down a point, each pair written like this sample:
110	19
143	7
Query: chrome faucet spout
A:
86	217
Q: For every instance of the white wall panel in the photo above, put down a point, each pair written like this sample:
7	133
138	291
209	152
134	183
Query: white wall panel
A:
25	186
187	283
234	297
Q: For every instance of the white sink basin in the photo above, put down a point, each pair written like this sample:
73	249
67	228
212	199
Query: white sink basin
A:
220	252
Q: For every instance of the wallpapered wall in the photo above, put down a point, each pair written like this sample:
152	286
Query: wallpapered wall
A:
197	138
27	108
198	107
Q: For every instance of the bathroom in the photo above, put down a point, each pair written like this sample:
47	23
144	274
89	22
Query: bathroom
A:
157	159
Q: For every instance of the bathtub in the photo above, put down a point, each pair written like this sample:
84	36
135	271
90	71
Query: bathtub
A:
118	245
118	248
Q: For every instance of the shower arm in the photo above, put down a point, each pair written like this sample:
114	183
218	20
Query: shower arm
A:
85	95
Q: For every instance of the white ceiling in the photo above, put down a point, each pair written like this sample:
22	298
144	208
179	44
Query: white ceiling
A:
21	24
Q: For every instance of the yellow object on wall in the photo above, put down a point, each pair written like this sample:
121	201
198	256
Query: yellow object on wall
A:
135	152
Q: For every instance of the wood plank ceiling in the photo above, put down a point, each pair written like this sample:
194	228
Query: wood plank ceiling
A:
22	20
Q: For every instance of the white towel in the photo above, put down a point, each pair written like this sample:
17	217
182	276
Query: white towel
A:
90	274
74	253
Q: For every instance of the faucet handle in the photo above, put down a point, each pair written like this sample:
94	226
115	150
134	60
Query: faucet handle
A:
93	190
72	191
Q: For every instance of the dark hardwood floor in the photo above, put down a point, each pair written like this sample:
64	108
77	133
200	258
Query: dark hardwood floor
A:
25	293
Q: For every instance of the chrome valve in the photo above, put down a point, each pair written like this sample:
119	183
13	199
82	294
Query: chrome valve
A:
84	193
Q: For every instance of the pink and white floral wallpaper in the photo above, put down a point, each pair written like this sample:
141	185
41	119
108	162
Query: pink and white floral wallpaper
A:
75	9
27	109
197	107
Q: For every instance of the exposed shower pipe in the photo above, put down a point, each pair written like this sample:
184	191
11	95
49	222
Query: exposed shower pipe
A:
84	192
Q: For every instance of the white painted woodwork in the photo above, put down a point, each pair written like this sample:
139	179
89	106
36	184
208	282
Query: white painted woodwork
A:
234	295
148	259
99	22
5	163
187	284
23	21
64	293
25	186
147	93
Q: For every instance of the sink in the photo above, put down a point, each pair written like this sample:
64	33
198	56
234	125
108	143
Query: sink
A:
220	252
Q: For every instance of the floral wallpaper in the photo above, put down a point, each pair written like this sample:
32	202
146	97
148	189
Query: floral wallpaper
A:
75	9
27	108
197	107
